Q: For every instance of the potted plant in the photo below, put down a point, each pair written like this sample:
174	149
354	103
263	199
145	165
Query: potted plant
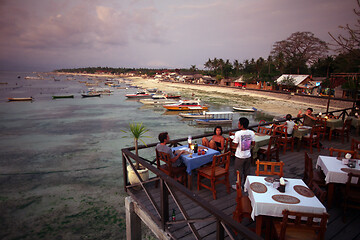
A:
137	131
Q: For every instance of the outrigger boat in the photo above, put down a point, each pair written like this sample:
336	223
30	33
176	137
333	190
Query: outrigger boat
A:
63	96
212	118
242	109
186	105
90	95
20	99
155	101
139	94
193	115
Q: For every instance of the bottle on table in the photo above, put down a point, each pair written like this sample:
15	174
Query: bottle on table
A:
196	147
189	141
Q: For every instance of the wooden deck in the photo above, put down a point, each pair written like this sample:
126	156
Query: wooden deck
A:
294	167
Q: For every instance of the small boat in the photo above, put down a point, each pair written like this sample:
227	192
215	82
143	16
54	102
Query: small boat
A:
193	115
242	109
62	96
186	105
170	95
152	90
216	118
139	94
20	99
90	95
161	101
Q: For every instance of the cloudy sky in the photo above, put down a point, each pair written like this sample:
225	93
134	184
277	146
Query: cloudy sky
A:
43	35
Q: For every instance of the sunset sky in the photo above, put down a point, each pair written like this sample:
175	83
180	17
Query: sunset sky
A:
43	35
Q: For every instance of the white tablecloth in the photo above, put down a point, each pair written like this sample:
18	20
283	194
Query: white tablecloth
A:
332	169
263	204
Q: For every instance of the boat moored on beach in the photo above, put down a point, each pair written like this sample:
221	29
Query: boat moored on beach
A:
216	118
139	94
186	105
244	109
20	99
90	95
62	96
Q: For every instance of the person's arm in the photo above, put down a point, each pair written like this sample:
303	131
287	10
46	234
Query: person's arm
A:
222	141
177	156
310	116
299	114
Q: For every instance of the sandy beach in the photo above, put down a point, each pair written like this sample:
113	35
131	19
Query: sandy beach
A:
271	103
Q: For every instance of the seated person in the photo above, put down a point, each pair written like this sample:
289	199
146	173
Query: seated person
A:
217	141
162	147
356	110
289	124
309	118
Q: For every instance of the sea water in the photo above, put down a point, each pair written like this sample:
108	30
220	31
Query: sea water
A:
62	157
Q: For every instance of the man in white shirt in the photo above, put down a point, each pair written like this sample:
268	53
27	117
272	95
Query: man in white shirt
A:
244	140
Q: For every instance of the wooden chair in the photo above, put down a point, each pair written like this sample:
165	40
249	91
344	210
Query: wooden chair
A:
321	122
341	152
311	175
319	193
313	139
272	165
344	130
355	146
230	145
243	204
270	151
352	192
264	130
293	226
284	139
178	173
218	169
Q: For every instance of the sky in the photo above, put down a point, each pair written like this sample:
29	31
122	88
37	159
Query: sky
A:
44	35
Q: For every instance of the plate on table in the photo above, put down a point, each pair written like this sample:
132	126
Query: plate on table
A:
304	191
285	199
269	179
258	187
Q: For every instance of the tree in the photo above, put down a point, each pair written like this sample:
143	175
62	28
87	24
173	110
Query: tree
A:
351	41
288	81
299	49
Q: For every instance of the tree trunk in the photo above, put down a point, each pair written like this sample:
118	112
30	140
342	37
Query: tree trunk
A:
136	152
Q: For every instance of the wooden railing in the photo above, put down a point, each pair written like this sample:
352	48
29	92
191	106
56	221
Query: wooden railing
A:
169	186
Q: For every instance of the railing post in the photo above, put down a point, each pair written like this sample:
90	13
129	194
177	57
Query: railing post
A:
219	230
164	203
125	177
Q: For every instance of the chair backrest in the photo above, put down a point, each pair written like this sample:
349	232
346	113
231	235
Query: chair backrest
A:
350	182
232	148
220	160
238	186
319	193
165	157
294	219
321	121
355	145
341	152
315	130
282	132
269	168
308	170
264	130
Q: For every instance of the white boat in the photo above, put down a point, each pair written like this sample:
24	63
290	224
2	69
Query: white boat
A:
157	101
216	118
193	115
243	109
186	105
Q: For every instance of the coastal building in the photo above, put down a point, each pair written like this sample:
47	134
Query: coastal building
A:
296	83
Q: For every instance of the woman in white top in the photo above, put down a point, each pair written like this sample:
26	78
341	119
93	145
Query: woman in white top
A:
289	124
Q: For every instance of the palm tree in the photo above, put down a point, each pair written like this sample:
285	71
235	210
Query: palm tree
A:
137	131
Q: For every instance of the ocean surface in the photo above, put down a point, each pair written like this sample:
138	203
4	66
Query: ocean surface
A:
45	132
61	163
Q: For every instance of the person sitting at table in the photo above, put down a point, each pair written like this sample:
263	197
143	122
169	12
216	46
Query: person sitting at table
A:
243	140
162	147
356	110
309	118
289	124
217	141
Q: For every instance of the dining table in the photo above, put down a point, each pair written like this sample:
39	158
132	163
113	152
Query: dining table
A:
355	122
299	132
268	202
260	140
335	172
333	123
193	161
